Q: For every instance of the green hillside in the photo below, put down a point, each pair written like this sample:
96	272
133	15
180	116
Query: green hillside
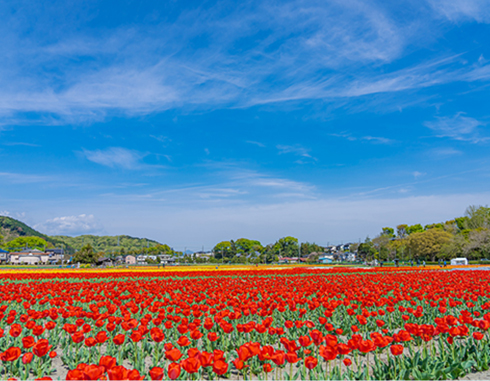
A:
109	244
10	228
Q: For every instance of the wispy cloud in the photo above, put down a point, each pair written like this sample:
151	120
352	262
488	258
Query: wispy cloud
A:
372	139
115	157
458	127
462	10
293	50
258	144
445	152
21	144
23	178
295	150
71	225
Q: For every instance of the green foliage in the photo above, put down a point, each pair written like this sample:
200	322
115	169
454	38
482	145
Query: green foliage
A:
390	232
158	249
478	217
428	244
308	248
223	250
414	229
248	246
109	244
286	247
438	225
478	244
367	250
461	222
10	228
401	230
86	254
20	243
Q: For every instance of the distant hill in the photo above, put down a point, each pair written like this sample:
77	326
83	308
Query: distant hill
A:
108	244
10	228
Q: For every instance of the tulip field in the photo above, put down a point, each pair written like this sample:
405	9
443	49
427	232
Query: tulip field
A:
248	323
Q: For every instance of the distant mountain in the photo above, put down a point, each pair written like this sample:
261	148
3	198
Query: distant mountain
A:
10	228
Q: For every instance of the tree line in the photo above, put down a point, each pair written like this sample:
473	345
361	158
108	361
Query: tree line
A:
467	236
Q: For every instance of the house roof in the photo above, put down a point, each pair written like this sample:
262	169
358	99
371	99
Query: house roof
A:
34	251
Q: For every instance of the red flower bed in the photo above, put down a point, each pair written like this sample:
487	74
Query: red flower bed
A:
298	323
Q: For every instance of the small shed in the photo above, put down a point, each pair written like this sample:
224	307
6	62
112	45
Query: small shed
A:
459	261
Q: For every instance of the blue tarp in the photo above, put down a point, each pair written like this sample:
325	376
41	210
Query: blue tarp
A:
3	251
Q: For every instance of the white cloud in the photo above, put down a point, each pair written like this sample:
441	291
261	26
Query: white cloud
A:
23	178
258	144
418	174
295	150
372	139
457	127
115	157
445	152
463	10
308	50
71	225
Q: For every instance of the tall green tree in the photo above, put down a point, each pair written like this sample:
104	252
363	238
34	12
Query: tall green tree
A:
417	228
307	248
248	246
223	250
366	250
86	255
478	244
427	245
287	247
390	232
401	230
478	217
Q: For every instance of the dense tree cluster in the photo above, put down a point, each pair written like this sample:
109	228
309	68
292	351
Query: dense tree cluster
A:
467	236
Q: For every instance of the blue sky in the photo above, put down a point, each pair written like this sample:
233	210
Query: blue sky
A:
196	122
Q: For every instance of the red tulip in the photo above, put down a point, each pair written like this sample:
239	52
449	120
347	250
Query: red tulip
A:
27	358
191	365
41	348
157	373
28	342
108	362
119	339
478	335
157	335
396	349
173	371
75	375
173	354
12	354
220	367
311	362
183	341
93	372
15	330
117	373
